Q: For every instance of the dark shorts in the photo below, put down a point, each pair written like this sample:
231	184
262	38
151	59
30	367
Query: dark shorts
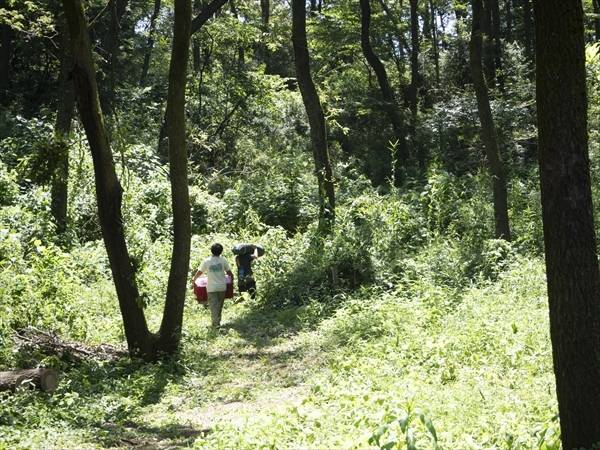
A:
247	286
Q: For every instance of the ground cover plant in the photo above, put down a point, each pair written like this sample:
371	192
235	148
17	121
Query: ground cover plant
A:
405	325
435	337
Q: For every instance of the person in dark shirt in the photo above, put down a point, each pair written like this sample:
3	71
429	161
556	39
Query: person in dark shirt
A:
246	281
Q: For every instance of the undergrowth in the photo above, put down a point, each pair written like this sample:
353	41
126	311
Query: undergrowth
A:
434	337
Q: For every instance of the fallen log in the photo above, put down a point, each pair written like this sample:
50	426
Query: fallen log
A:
43	379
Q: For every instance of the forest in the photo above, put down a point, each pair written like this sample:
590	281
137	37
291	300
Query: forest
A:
424	178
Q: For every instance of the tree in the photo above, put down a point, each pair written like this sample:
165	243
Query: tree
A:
150	43
109	41
109	192
64	116
170	330
572	271
386	90
528	25
197	23
496	44
488	129
5	53
414	56
316	117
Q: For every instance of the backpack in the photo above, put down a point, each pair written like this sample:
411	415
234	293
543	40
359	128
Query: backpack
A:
242	249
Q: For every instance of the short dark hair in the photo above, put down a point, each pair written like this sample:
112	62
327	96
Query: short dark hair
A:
216	249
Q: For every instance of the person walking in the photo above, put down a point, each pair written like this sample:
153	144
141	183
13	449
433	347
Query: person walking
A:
215	269
246	282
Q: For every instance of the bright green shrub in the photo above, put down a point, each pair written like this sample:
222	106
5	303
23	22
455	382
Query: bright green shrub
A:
279	200
9	189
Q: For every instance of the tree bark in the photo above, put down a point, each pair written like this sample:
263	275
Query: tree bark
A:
5	52
316	117
109	42
241	52
265	14
150	43
438	84
488	130
572	271
64	117
436	49
386	91
508	34
596	6
109	192
414	55
206	14
528	27
169	335
43	379
197	23
496	44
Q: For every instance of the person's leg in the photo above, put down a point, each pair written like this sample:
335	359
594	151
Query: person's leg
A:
252	289
241	289
216	300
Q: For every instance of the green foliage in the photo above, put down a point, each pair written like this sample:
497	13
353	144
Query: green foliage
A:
407	327
9	188
428	311
278	200
30	145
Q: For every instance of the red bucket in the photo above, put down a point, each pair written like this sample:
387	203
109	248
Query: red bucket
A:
200	288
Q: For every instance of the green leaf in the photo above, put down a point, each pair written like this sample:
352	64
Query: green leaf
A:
403	421
410	440
427	422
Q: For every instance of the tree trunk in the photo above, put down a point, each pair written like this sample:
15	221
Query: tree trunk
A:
108	189
150	43
488	130
436	49
109	46
241	53
596	5
5	52
509	21
487	40
170	330
438	83
43	379
64	117
414	55
528	26
497	45
109	42
572	271
206	14
265	14
316	117
197	23
386	91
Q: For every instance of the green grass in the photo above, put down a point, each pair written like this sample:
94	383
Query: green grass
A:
413	364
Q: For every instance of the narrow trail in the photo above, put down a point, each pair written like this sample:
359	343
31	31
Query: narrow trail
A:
253	378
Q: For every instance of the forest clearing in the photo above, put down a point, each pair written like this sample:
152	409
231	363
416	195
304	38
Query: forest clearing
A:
353	372
423	179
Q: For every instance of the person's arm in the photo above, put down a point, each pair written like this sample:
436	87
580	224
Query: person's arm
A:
255	254
198	273
228	269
